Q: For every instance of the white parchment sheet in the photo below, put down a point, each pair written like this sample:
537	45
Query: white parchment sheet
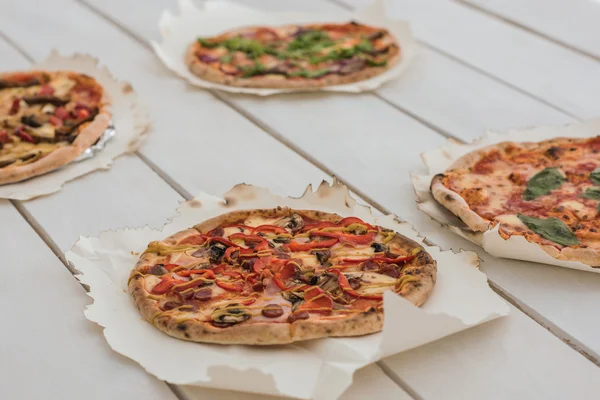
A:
319	369
517	247
129	120
215	17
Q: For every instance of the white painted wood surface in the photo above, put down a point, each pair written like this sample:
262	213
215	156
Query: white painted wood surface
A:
565	79
448	91
571	22
47	348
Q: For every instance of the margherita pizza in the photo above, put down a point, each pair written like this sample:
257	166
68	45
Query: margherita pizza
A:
294	56
277	276
548	192
47	119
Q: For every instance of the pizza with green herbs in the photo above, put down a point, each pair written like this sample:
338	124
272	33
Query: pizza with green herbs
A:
277	276
294	56
547	192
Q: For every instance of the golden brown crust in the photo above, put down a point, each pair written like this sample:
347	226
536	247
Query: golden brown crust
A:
422	268
457	205
88	134
277	81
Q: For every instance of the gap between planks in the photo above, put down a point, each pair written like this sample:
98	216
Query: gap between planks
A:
465	64
508	21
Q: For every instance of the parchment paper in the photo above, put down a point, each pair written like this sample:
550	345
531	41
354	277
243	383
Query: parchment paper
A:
129	120
319	369
215	17
516	247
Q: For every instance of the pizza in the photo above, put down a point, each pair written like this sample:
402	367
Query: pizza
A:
293	56
47	119
275	276
548	192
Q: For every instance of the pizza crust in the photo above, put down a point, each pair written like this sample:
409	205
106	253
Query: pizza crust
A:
269	333
276	81
457	205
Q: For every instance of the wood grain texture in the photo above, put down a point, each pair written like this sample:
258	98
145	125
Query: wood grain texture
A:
573	23
558	76
47	347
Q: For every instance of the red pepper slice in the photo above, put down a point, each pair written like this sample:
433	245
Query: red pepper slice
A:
55	121
4	137
353	220
219	269
345	285
46	90
248	302
15	106
396	260
165	285
317	301
195	240
255	241
347	237
288	271
230	286
230	250
319	225
170	267
260	265
24	135
222	240
295	246
61	113
269	228
207	272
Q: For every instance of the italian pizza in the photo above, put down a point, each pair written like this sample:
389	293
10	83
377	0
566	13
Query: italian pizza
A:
548	192
294	56
273	276
47	119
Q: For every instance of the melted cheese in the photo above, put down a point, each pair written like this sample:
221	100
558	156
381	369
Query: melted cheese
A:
62	86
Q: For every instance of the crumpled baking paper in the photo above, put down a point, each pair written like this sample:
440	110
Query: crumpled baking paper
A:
315	369
517	247
215	17
129	119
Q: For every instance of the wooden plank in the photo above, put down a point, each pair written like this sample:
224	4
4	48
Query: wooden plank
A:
369	382
558	76
49	350
573	23
444	369
318	134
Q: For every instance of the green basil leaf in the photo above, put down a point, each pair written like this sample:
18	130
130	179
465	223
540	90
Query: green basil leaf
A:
226	59
256	69
306	73
372	63
551	228
595	176
543	183
208	44
591	193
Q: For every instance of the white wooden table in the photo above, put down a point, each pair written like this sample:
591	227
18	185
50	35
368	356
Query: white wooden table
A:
483	64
